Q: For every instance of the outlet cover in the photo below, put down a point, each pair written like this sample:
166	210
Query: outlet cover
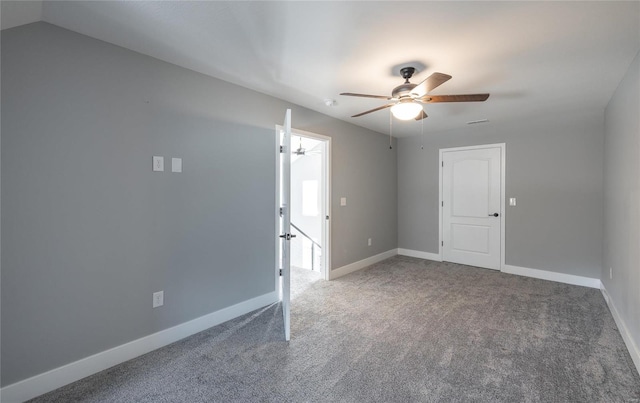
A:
158	163
158	299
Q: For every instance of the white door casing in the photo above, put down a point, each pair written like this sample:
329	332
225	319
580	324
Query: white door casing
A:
472	210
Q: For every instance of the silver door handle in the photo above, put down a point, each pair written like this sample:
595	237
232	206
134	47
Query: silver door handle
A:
494	215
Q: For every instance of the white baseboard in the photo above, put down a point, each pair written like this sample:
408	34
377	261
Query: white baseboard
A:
634	351
552	276
58	377
361	264
420	254
520	271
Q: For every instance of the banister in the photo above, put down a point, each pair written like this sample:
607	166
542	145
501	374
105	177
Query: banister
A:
305	235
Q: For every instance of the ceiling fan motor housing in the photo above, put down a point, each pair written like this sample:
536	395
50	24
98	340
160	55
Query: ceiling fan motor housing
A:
403	90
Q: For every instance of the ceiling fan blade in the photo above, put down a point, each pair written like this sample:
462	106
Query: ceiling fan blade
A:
454	98
421	116
430	83
374	110
351	94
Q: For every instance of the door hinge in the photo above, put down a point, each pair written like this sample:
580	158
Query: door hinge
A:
442	204
327	217
281	211
441	243
280	272
442	163
281	149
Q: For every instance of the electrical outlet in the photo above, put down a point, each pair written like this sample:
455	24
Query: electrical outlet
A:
369	242
158	163
610	273
158	299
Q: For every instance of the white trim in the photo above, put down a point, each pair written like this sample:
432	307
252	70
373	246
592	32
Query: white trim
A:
440	202
361	264
552	276
276	231
503	208
58	377
634	351
503	193
327	205
420	254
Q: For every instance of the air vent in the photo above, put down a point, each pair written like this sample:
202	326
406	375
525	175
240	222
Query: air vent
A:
473	122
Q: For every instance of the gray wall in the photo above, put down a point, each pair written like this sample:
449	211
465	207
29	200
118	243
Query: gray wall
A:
89	232
364	170
554	169
622	200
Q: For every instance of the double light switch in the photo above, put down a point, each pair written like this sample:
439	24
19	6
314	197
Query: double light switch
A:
158	164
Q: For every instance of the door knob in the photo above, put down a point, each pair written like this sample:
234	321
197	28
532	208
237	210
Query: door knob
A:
494	215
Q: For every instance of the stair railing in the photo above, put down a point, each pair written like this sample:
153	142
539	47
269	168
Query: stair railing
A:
313	244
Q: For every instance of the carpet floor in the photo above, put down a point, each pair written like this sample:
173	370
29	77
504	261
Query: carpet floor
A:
402	330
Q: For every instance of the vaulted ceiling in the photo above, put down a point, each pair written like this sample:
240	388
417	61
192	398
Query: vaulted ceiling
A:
535	58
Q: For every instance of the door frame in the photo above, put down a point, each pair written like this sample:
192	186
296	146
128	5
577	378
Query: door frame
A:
326	208
503	171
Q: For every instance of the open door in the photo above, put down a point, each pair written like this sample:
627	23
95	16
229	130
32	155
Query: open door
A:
284	217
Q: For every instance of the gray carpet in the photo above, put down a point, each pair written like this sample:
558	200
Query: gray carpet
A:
403	330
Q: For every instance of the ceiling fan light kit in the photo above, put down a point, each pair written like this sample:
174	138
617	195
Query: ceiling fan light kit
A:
406	110
407	98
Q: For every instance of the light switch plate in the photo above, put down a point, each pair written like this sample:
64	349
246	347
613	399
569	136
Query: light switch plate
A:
512	201
176	164
158	163
343	201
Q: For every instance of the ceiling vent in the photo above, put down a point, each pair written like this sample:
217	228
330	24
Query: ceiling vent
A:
473	122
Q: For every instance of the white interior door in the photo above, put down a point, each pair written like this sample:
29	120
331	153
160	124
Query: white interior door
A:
284	213
471	207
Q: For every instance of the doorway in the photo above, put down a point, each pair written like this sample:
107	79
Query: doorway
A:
309	208
308	196
472	194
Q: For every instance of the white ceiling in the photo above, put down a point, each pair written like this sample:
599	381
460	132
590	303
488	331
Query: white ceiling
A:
533	57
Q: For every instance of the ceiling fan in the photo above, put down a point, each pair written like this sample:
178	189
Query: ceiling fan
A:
407	98
303	151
